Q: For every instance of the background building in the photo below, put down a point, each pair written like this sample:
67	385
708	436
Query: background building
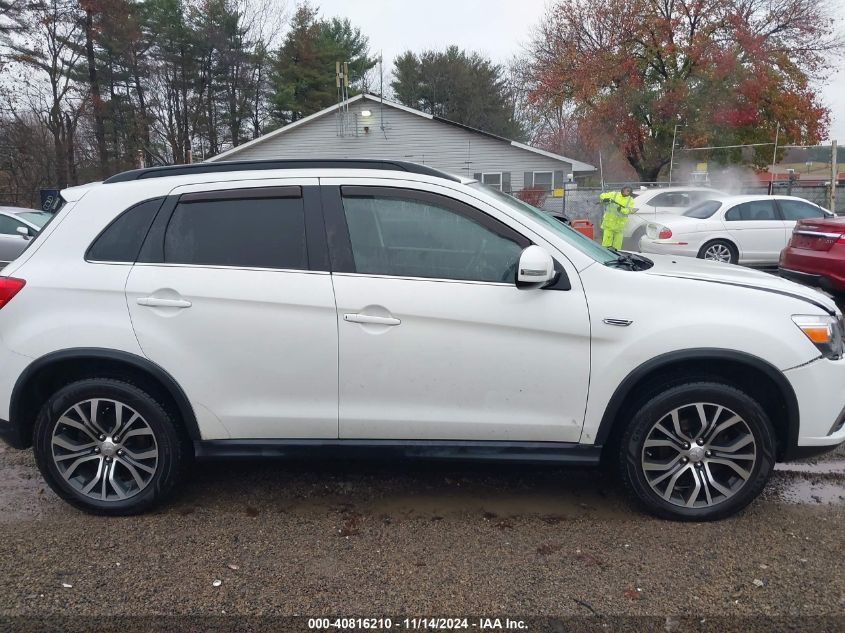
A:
365	126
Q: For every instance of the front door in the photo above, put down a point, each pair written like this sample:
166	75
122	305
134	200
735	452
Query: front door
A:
758	230
436	341
230	297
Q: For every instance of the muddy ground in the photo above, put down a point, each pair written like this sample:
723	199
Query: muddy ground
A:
351	538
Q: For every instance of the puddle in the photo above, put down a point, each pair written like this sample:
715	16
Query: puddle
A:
813	492
830	467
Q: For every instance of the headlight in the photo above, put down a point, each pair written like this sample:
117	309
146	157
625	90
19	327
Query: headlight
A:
825	332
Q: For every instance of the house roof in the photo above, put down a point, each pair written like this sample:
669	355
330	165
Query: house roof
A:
577	166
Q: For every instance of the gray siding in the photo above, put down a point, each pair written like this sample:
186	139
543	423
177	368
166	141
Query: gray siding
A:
406	137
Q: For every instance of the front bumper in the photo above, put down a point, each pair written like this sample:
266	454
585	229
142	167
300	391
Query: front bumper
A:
820	389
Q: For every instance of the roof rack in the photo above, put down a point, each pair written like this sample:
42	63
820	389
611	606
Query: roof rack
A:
258	165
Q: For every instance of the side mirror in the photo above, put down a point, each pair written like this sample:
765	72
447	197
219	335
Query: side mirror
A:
23	231
535	269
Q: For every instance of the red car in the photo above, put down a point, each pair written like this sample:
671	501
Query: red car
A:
816	253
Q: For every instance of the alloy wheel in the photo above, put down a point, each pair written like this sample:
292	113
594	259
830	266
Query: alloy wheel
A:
104	449
698	455
718	253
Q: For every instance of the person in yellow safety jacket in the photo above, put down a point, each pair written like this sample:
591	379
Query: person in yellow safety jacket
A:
619	205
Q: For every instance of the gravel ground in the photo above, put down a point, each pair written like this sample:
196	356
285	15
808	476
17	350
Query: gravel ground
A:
413	538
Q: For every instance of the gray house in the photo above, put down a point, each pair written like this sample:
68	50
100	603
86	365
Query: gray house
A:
365	126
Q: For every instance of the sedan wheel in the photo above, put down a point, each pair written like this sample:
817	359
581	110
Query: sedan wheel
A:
718	252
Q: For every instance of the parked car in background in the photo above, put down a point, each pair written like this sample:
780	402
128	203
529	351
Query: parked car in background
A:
749	230
378	307
650	202
17	227
560	217
815	253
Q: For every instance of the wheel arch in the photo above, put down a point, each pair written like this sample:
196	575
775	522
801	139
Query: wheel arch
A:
52	371
752	374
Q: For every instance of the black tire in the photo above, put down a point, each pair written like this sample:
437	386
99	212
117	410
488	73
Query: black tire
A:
731	248
632	452
167	441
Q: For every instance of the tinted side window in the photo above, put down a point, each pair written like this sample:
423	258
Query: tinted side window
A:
410	237
755	211
121	240
797	210
671	199
703	210
250	232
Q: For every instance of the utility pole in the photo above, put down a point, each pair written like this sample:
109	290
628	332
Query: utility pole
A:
672	157
834	176
774	161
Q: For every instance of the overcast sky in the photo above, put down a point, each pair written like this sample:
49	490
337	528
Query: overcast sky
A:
498	28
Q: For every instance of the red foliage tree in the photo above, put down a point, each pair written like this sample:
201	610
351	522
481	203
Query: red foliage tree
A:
535	196
728	71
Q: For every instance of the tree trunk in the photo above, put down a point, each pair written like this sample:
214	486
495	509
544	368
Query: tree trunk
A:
96	96
70	150
142	110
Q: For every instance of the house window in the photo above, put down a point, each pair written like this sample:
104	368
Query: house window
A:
543	180
492	179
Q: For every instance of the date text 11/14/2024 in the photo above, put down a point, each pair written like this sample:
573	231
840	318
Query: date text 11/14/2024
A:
421	623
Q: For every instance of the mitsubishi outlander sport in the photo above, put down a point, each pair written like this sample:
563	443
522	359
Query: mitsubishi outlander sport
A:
348	307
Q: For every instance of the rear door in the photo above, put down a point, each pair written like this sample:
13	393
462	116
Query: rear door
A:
757	229
436	341
232	296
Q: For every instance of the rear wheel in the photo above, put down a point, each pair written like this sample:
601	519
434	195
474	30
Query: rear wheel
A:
698	452
719	251
108	447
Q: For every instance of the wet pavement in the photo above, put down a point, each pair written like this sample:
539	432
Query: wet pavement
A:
369	539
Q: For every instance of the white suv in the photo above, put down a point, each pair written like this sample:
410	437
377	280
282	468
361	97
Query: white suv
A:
289	308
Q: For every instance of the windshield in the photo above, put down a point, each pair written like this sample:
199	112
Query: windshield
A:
38	218
570	235
703	210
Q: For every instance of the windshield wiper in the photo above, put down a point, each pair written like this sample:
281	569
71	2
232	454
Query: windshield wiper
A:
633	260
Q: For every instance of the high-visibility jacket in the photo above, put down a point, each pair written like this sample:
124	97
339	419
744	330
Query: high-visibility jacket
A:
616	211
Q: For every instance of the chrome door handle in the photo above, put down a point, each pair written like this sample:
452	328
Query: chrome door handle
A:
374	320
155	302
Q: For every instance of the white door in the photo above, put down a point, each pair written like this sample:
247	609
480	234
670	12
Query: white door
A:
436	341
230	308
758	231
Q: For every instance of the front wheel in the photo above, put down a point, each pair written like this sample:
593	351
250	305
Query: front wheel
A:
698	452
108	447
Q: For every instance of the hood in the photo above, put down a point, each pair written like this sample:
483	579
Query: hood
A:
716	272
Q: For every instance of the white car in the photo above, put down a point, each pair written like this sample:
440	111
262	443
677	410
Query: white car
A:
750	230
17	227
650	202
347	307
